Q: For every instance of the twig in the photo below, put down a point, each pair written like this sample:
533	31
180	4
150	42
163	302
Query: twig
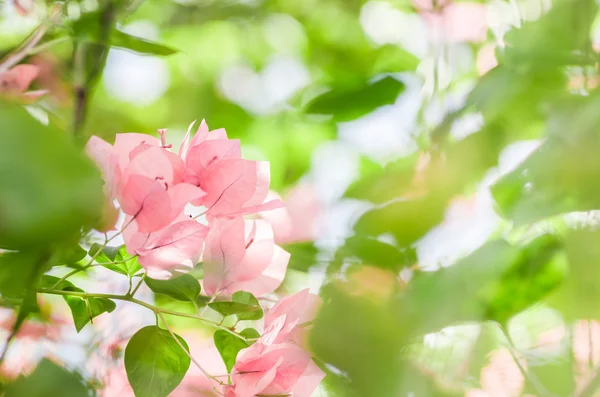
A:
209	376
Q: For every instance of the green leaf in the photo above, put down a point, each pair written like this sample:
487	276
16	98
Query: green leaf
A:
183	288
230	308
50	190
230	345
155	363
248	299
83	309
139	45
48	379
116	254
108	253
350	105
68	255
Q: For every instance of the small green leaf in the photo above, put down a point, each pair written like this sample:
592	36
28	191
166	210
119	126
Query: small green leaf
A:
183	288
248	299
139	45
303	255
392	59
230	345
83	309
68	255
230	308
155	363
109	255
350	105
48	379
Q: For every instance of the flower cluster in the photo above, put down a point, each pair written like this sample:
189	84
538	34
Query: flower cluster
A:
153	186
277	364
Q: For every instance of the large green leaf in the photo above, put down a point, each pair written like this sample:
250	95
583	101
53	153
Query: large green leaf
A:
50	190
155	363
183	288
349	105
228	308
48	379
230	345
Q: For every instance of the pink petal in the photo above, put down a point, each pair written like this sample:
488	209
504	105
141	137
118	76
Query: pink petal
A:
201	134
292	307
229	185
148	201
181	194
308	382
259	251
185	144
126	143
173	247
269	280
263	180
32	96
152	162
225	248
106	158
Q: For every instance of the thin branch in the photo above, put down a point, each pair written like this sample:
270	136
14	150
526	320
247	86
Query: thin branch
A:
176	339
139	284
155	309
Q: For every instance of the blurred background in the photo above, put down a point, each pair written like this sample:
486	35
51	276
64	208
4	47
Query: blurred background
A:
438	160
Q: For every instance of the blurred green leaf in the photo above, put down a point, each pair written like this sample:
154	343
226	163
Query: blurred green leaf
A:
230	345
302	255
350	105
393	59
20	272
374	252
68	255
248	299
48	379
50	190
381	184
139	45
154	362
183	288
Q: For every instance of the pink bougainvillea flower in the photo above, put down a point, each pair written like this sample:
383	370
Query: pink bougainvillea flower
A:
15	82
173	248
283	322
458	22
486	59
145	177
298	220
233	186
242	255
277	369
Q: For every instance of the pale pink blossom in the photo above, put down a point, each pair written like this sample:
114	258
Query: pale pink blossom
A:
486	59
241	255
15	82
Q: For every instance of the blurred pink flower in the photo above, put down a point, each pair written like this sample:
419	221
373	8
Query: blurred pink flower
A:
241	255
486	59
298	220
458	22
15	82
500	378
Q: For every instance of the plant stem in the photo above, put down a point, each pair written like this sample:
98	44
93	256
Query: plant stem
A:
155	309
47	45
139	284
176	339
